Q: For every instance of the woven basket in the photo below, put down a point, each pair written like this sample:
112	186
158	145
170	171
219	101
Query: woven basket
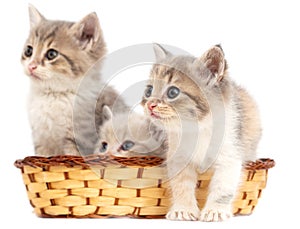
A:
97	186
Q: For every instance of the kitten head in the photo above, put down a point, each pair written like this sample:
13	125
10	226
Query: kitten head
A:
130	135
184	86
61	49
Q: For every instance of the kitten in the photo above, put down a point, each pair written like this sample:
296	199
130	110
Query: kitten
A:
211	123
128	135
62	61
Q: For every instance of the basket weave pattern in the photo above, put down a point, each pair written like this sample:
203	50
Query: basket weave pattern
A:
97	186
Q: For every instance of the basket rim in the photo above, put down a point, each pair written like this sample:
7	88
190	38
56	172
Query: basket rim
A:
88	161
105	161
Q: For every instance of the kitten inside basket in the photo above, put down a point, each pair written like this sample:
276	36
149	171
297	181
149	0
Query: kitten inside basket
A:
130	135
62	107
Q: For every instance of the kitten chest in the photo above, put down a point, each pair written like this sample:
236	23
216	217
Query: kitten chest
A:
50	116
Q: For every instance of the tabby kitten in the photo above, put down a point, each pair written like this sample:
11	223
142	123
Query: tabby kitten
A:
128	135
61	60
211	123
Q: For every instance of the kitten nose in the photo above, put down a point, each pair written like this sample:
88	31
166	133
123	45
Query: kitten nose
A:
151	106
32	67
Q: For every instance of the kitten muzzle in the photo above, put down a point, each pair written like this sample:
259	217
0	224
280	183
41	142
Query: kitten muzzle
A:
32	67
151	106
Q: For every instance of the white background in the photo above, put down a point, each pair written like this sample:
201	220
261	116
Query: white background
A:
261	43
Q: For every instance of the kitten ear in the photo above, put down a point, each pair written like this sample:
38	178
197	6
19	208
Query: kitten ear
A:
106	113
87	29
214	61
35	16
160	52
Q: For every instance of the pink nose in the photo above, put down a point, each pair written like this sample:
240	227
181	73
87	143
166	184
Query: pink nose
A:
151	106
32	67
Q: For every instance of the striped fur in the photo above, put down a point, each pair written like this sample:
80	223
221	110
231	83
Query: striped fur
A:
212	123
148	137
64	90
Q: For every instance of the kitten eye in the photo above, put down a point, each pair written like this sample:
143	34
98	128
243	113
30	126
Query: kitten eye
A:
28	51
173	92
148	91
51	54
103	147
127	145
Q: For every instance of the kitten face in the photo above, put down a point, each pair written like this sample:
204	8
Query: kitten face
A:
133	135
60	49
170	94
179	86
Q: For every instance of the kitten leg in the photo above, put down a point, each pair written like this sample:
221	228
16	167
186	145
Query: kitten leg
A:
184	203
223	186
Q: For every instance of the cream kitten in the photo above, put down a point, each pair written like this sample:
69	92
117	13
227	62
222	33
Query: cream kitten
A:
128	135
62	61
211	123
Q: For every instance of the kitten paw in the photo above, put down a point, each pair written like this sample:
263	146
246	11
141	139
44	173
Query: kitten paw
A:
215	215
183	214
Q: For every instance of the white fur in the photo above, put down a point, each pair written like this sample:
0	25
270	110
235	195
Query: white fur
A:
222	138
50	115
183	164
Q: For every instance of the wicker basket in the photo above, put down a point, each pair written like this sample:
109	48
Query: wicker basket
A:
97	186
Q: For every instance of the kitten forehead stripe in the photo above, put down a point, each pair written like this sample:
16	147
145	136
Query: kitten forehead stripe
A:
51	33
170	73
50	43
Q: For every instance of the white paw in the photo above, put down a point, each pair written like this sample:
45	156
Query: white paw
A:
183	214
215	215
